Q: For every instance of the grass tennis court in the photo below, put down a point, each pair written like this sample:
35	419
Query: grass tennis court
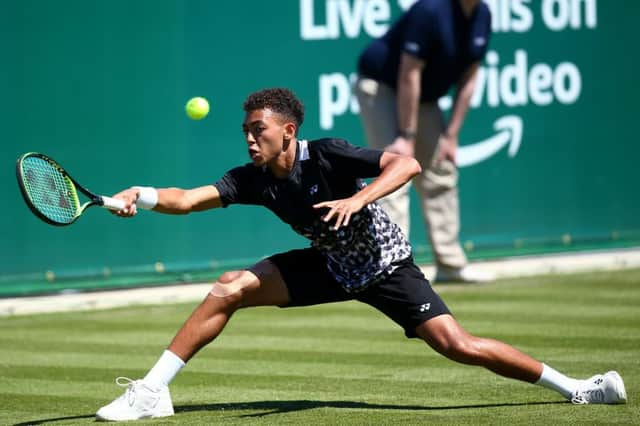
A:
334	364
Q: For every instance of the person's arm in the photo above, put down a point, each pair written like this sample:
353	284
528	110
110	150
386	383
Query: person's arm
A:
171	200
408	102
396	170
449	139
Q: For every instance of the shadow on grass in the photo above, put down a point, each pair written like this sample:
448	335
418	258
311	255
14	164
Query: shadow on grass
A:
279	407
55	419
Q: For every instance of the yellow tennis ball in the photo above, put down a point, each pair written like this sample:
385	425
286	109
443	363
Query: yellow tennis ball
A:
197	108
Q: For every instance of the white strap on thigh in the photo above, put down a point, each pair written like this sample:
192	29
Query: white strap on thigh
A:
223	290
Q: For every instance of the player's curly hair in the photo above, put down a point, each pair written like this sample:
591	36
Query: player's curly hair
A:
279	100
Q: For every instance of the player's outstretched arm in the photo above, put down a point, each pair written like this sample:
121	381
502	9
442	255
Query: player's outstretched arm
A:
169	200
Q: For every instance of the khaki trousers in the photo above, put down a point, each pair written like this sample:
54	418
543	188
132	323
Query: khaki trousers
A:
436	185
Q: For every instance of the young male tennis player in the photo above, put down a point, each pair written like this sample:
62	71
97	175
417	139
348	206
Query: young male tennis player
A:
356	253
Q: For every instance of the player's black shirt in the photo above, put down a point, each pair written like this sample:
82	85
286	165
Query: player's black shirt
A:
324	170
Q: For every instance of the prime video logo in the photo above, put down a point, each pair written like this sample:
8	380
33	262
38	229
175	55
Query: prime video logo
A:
518	83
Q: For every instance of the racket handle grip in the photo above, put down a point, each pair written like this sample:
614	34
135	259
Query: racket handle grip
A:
112	203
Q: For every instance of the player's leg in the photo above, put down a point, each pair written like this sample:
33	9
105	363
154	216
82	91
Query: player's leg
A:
445	335
260	285
408	299
378	113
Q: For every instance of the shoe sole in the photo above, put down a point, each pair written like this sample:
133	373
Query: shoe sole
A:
104	419
618	386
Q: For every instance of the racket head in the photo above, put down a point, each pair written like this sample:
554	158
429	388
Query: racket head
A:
48	189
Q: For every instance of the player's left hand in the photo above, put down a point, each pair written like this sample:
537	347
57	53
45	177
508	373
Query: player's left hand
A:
447	148
340	210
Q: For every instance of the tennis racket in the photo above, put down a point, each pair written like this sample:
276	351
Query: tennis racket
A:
51	194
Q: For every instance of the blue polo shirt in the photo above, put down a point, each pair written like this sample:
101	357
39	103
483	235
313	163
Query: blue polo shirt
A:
439	33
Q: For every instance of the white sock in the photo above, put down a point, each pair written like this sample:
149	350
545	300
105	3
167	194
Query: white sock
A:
551	379
167	367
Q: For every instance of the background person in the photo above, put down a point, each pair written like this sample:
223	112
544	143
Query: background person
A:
433	46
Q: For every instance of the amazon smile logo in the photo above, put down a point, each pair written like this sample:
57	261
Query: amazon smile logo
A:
508	133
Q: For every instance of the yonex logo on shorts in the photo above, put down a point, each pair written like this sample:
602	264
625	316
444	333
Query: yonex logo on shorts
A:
425	307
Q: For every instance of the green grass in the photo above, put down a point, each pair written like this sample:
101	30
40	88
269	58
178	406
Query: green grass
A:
334	364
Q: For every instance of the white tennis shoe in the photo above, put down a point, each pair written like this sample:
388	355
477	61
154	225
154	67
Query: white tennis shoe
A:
139	401
607	388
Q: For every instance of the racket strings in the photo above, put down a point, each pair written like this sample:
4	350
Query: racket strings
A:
51	192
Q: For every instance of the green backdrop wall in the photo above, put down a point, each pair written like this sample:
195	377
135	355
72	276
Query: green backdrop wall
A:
549	146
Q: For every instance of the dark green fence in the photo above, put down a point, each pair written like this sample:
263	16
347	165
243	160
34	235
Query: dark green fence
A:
101	85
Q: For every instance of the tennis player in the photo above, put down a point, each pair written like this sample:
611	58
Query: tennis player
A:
356	253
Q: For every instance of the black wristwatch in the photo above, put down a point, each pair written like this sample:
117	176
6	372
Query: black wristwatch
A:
407	134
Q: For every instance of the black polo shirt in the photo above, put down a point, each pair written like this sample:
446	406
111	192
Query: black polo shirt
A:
325	170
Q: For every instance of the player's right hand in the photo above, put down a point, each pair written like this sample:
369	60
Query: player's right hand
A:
129	196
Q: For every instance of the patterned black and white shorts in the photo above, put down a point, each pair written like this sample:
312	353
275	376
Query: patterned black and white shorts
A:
405	295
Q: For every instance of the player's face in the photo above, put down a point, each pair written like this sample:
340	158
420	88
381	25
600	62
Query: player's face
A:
266	133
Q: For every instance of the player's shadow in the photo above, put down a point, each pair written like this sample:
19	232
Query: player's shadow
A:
55	419
279	407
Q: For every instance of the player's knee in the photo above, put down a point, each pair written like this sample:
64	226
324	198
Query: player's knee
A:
455	344
229	276
464	350
230	287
